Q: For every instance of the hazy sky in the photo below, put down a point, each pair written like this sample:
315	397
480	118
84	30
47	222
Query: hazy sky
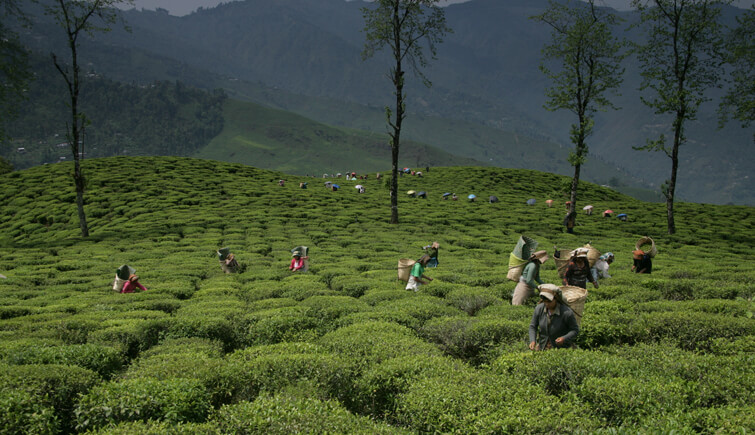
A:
184	7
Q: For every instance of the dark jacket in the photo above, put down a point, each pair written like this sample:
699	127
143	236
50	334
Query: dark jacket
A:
643	265
563	323
578	276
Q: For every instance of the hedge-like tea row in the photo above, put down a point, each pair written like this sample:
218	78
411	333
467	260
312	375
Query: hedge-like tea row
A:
344	348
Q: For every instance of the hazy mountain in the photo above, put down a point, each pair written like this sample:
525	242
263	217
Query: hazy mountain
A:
486	73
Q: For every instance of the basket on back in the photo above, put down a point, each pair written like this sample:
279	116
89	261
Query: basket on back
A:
647	241
575	298
564	255
592	254
524	248
404	268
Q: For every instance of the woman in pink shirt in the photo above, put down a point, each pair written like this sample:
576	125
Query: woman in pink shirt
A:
298	263
132	284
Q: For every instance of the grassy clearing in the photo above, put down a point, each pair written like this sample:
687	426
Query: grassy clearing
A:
206	352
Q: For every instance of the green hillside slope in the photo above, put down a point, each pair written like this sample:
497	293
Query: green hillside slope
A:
344	348
274	139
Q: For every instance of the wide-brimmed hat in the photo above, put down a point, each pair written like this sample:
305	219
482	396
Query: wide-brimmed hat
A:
540	255
548	291
580	253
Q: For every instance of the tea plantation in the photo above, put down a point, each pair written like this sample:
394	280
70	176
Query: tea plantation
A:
344	348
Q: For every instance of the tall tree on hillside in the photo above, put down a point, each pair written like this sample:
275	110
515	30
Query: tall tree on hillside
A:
407	27
680	61
589	57
14	67
739	101
77	17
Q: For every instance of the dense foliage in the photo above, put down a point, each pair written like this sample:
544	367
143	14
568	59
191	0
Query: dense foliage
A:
343	348
163	118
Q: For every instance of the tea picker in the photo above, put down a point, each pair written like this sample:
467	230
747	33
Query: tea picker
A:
432	252
554	324
126	281
121	276
299	259
417	275
227	260
578	270
600	269
530	276
570	221
643	260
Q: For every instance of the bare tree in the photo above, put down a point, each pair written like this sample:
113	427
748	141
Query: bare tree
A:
680	61
589	67
78	17
403	26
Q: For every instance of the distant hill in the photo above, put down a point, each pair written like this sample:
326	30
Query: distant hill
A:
304	56
273	139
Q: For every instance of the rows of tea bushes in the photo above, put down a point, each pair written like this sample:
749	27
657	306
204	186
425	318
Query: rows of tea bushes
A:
344	348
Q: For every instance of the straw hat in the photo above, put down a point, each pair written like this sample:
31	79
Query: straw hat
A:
540	255
548	291
580	252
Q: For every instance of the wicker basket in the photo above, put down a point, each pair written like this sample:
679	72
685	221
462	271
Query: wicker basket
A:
575	298
647	241
562	261
405	268
516	267
592	254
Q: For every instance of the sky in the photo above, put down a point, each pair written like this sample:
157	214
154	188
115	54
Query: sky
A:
185	7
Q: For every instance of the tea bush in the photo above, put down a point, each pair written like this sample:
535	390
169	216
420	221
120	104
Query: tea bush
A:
217	376
471	339
153	427
283	414
344	342
291	323
23	413
44	388
173	400
102	360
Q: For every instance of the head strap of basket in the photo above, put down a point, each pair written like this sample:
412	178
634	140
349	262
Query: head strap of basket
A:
647	241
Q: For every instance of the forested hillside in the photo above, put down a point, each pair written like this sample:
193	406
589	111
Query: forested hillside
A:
161	118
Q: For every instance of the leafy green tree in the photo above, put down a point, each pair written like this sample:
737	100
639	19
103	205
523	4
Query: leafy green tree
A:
402	25
588	58
739	101
680	60
14	65
5	166
77	17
